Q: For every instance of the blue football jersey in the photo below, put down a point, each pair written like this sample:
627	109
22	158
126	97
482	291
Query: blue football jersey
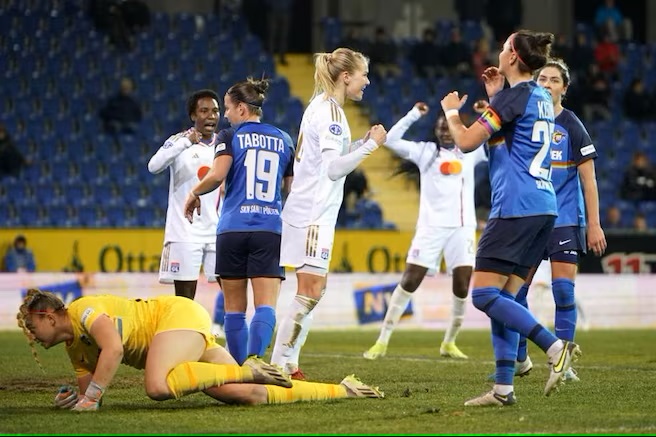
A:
262	155
520	120
570	147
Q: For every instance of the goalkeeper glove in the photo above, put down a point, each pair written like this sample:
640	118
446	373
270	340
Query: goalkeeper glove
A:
66	397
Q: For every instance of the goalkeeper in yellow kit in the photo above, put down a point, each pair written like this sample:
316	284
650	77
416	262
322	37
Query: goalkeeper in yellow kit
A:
169	337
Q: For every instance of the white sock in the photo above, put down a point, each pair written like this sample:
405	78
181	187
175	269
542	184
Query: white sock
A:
293	360
457	316
555	350
397	305
290	329
503	390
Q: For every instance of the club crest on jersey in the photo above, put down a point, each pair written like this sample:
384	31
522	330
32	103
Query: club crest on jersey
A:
324	253
175	267
558	136
335	129
414	253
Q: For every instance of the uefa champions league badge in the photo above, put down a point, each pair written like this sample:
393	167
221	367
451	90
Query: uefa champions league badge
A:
335	129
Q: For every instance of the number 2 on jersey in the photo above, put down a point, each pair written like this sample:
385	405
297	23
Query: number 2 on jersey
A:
261	174
542	132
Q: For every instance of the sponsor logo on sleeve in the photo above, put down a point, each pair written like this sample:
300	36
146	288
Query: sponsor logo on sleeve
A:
335	129
220	148
587	150
85	315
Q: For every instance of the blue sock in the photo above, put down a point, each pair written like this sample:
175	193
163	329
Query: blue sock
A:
504	342
565	324
219	309
522	299
236	331
262	325
513	315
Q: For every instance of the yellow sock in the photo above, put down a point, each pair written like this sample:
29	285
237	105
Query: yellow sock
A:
304	391
191	377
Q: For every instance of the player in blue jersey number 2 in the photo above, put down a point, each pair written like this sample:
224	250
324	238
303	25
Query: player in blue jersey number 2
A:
578	226
518	125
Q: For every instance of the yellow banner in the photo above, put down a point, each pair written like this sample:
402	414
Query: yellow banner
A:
97	250
138	250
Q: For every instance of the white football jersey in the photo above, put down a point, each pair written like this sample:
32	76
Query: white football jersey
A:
447	178
187	163
314	198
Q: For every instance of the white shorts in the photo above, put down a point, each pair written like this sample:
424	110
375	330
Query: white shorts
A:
182	262
455	244
312	246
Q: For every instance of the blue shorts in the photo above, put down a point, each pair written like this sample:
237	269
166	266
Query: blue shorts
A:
518	242
248	255
565	244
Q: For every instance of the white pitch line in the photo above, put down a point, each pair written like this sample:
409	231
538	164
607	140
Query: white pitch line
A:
441	360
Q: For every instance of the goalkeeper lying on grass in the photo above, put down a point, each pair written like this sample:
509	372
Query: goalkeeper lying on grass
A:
170	338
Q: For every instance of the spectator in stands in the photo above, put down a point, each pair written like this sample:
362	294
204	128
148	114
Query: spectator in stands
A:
456	56
639	179
280	15
121	113
108	17
581	55
638	104
503	17
596	97
610	21
469	10
11	159
607	56
356	187
425	55
383	55
136	14
19	258
561	47
613	218
640	222
355	41
481	57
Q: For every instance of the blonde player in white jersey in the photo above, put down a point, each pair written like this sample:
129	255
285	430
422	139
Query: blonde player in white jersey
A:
446	225
324	156
189	156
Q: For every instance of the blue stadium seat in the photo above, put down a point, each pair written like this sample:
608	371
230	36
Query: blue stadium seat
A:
28	215
332	32
57	214
87	215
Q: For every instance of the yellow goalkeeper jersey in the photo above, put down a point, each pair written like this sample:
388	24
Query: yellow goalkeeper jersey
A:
137	321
